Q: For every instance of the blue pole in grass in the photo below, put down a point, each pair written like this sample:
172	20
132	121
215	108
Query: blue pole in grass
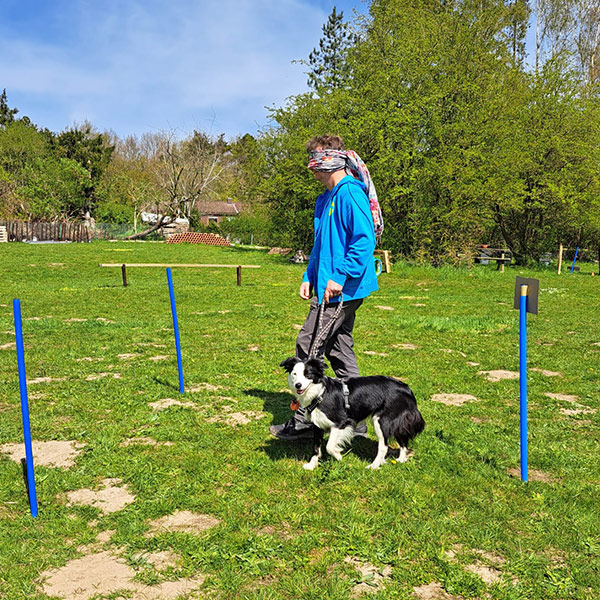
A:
523	379
176	328
573	265
25	408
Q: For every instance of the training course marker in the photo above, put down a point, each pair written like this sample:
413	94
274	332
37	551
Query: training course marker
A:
25	408
176	329
526	300
574	259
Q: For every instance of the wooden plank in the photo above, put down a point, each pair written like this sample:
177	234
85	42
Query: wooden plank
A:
193	266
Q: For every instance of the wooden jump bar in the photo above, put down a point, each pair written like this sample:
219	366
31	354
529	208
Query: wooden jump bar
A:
174	265
124	266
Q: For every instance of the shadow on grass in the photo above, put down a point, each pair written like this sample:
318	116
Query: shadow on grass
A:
165	383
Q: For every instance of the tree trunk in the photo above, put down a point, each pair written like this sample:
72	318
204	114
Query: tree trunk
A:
136	236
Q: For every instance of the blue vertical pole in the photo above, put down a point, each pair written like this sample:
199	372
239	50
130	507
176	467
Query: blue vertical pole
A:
176	328
523	380
573	265
25	408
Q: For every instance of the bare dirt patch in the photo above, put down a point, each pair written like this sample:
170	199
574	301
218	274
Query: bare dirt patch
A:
159	357
183	521
4	407
205	387
8	346
97	376
434	591
499	375
167	402
101	574
88	359
406	346
127	355
159	560
103	320
143	441
532	475
373	353
253	348
454	399
565	397
373	579
44	380
75	320
472	364
111	497
54	453
546	372
488	574
418	304
237	418
384	307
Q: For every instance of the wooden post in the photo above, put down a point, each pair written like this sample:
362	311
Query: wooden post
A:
560	253
239	275
386	261
502	263
124	273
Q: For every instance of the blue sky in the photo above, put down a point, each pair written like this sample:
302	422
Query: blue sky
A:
134	66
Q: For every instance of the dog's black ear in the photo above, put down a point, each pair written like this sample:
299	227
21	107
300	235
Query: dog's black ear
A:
314	369
289	363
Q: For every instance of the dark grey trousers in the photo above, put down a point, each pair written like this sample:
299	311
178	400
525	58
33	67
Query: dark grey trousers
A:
338	346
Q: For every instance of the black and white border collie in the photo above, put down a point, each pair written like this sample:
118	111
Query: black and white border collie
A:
389	402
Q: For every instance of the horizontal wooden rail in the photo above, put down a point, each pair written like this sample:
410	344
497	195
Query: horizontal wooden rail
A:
120	265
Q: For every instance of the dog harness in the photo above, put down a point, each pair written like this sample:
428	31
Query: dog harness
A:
317	401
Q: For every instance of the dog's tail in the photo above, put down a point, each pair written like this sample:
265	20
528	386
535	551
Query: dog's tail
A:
407	426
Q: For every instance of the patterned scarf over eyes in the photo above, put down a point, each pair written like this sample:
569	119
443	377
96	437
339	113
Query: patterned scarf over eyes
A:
329	161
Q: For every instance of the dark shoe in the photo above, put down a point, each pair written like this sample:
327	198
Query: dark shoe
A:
291	431
361	430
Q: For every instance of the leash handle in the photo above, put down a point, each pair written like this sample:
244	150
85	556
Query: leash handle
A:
322	332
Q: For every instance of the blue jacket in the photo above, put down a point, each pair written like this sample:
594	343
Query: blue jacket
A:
344	242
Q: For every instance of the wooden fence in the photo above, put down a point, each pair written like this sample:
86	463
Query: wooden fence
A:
28	231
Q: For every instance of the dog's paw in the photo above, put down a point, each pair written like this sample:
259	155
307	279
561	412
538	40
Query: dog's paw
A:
374	465
309	466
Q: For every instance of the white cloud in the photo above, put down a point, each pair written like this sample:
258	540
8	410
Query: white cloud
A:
135	65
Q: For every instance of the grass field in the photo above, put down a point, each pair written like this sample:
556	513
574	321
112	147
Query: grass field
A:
453	522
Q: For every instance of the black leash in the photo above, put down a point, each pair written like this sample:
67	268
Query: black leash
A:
322	332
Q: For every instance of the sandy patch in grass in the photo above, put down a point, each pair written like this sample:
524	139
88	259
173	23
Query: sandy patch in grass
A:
472	364
565	397
253	348
46	454
418	304
167	402
499	374
373	353
546	372
75	320
236	418
4	407
406	346
88	359
110	498
384	307
159	560
127	356
571	412
595	343
143	441
297	326
454	399
205	387
8	346
103	320
433	591
182	521
159	357
45	380
97	376
100	574
532	475
372	578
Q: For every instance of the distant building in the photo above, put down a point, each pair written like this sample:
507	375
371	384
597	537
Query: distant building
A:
215	212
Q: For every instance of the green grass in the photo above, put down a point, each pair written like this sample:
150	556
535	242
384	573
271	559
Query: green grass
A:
285	532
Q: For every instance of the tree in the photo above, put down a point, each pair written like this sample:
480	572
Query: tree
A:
7	115
329	68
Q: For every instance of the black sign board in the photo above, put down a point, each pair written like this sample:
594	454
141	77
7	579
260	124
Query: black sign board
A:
533	290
